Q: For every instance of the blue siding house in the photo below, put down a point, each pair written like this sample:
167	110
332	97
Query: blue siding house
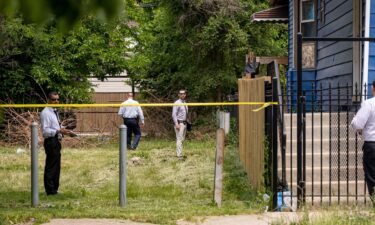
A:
327	62
335	63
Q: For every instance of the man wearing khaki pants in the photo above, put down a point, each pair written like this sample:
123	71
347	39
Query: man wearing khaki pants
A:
179	115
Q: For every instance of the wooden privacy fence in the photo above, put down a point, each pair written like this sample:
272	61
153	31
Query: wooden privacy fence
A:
100	120
252	128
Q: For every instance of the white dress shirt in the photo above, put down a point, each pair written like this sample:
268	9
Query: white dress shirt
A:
49	122
364	120
131	111
179	112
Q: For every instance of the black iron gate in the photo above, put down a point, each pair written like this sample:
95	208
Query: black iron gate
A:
328	167
319	154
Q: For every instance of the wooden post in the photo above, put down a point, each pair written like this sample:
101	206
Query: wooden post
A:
219	163
223	120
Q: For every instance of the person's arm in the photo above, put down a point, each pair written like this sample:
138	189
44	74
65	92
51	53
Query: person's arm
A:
360	119
174	114
47	129
140	114
121	111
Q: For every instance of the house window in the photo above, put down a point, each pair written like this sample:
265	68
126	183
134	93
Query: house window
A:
308	18
308	29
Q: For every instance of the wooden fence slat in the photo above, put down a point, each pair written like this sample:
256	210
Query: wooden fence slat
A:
100	120
251	129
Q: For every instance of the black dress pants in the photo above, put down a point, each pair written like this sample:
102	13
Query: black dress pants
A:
132	128
52	147
369	166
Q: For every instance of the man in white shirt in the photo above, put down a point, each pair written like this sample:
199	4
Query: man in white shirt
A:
52	134
364	123
132	115
179	115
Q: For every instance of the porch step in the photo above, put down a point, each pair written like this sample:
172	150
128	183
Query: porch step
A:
318	159
325	188
327	148
334	200
317	173
326	145
291	118
343	199
317	131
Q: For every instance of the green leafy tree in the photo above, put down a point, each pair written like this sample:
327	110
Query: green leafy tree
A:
34	60
200	45
65	12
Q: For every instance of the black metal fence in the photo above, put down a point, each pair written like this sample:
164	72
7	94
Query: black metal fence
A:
320	156
329	170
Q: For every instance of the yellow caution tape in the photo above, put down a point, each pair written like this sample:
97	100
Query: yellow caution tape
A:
264	105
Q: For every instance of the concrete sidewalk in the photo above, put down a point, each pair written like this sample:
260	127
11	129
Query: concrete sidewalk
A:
253	219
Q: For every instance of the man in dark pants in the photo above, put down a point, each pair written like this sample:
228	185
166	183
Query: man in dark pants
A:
364	123
132	115
52	134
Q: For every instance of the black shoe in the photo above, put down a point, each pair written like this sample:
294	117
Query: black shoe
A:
53	193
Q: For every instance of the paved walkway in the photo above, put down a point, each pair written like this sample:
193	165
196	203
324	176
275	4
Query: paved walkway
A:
261	219
93	222
254	219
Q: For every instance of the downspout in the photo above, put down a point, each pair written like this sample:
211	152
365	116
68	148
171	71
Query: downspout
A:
366	48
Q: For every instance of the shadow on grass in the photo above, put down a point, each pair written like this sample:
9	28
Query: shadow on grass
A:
15	199
22	199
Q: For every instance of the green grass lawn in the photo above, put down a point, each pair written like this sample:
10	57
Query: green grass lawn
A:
335	215
160	189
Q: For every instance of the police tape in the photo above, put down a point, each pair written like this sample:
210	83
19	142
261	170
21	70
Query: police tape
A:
262	104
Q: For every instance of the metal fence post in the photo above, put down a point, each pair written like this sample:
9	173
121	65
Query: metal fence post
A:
303	183
123	158
34	164
274	144
299	121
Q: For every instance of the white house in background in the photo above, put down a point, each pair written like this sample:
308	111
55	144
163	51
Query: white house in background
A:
105	120
112	85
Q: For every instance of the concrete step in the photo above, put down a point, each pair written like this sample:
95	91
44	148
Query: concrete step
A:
321	139
333	200
336	188
291	118
324	159
343	199
316	174
316	141
316	131
326	144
